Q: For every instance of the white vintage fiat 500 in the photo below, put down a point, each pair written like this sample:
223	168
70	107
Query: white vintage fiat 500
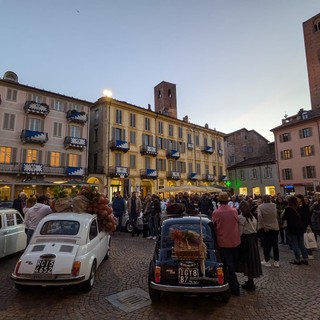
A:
12	232
66	249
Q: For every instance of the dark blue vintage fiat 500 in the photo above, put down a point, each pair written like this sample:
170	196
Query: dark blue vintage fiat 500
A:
186	259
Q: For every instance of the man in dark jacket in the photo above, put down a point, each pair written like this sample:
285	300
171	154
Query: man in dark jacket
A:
20	202
119	208
154	220
206	206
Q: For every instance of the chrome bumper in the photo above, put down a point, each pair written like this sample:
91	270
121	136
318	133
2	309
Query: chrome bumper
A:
189	289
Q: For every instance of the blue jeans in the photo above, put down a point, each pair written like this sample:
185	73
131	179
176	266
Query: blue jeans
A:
297	245
29	235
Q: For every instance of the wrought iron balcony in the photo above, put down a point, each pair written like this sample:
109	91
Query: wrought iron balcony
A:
148	150
190	146
75	143
207	150
149	174
77	117
10	167
173	175
33	136
75	171
36	108
119	145
208	177
193	176
173	154
32	168
119	172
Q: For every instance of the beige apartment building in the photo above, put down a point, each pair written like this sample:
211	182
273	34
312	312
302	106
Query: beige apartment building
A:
44	139
297	143
140	149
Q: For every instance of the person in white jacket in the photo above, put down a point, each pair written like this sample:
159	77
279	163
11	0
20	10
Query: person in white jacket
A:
36	214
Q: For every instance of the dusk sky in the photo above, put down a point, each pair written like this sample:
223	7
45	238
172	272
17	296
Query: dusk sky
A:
236	63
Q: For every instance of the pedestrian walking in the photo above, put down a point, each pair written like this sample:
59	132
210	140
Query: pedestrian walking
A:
134	209
249	256
119	208
269	227
36	214
226	222
154	220
295	227
20	202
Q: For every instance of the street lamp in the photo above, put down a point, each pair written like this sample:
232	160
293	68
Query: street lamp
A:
107	93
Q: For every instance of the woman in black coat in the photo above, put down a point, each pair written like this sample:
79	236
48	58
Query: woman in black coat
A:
295	228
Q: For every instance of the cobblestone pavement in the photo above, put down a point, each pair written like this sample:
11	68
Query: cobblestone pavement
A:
288	292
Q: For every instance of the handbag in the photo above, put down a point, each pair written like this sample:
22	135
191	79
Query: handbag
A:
310	240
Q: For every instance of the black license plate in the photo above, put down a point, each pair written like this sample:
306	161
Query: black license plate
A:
186	275
44	266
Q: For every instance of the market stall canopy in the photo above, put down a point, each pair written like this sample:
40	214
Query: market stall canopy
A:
190	188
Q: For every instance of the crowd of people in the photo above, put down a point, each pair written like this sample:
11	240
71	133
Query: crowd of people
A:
242	224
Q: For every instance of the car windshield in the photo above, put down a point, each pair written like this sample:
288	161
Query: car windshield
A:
60	227
168	230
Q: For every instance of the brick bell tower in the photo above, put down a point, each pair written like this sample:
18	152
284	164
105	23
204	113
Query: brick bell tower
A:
165	99
311	30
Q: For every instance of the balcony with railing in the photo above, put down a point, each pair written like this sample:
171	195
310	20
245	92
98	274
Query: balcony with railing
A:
193	176
77	117
148	173
173	154
119	145
75	143
208	177
148	150
173	175
13	167
190	146
30	136
119	172
207	150
36	108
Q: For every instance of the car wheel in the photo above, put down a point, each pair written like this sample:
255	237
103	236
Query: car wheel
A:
129	227
88	285
225	296
155	295
106	257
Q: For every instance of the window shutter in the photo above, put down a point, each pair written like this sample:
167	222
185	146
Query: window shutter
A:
300	133
302	152
123	135
113	133
14	155
79	160
304	172
310	131
12	118
63	160
24	155
39	156
48	158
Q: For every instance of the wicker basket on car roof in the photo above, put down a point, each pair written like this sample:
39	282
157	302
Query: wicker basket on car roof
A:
189	251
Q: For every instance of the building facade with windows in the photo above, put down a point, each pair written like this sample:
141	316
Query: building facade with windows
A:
43	139
297	143
138	149
311	30
251	163
255	176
